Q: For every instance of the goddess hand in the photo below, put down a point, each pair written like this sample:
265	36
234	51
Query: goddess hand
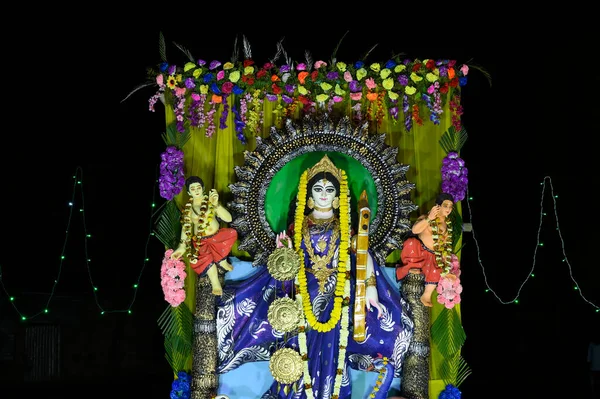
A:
281	238
373	301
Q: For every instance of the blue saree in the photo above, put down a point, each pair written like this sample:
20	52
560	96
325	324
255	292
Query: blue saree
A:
245	334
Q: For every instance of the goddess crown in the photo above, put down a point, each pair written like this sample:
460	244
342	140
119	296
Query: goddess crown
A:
325	165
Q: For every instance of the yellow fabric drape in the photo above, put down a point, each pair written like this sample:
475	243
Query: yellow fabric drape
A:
214	158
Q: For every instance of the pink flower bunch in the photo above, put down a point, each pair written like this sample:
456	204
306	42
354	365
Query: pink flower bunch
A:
449	288
172	277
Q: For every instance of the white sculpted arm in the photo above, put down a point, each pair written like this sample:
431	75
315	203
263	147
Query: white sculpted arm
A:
371	294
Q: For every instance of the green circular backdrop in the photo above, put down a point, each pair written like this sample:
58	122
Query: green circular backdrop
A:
282	191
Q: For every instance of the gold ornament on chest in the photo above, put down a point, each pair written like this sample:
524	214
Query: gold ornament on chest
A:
322	244
319	262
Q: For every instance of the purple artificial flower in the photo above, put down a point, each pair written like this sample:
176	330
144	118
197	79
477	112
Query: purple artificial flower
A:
443	71
214	64
403	79
354	86
172	178
190	83
454	176
332	75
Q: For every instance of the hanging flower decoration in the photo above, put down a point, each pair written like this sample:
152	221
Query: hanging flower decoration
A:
454	172
450	392
180	388
365	87
449	287
454	176
172	177
172	277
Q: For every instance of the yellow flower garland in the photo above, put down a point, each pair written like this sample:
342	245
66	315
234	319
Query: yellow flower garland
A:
342	289
343	259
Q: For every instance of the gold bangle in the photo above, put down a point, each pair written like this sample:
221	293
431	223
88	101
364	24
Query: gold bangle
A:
371	281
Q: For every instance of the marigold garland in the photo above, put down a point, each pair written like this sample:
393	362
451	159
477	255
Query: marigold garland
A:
342	289
341	275
443	254
381	374
204	220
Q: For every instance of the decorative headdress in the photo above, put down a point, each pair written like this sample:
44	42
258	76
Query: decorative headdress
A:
325	165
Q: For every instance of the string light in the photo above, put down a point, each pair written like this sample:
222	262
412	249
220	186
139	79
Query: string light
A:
102	311
531	274
78	185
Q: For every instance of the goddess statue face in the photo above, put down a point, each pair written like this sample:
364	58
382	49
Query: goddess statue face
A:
323	192
195	190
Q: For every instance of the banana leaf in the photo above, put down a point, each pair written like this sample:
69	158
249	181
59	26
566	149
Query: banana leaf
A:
452	140
176	324
454	370
168	225
447	332
448	335
457	228
172	137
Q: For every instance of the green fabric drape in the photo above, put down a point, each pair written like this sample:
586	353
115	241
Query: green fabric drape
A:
214	159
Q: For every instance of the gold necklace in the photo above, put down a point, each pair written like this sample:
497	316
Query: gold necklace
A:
319	268
319	221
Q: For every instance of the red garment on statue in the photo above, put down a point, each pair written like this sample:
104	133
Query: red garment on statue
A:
415	255
212	249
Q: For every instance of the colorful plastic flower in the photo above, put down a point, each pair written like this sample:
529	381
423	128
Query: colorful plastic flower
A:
172	177
172	277
454	176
